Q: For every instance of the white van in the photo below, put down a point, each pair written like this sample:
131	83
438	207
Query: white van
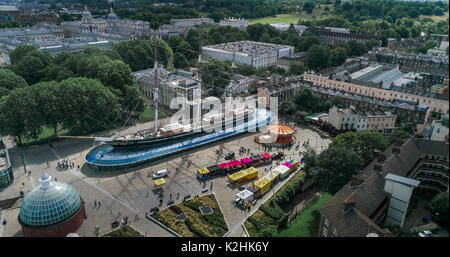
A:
161	173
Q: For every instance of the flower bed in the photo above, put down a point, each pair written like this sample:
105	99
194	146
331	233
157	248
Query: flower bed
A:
196	224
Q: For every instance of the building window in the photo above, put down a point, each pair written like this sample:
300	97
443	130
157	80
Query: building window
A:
324	231
334	231
326	222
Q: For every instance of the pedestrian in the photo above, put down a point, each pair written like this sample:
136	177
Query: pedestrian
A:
99	204
178	195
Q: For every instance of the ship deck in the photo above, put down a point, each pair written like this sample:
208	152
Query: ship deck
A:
110	156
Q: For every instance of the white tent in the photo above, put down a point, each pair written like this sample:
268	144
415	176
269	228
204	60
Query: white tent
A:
283	170
245	196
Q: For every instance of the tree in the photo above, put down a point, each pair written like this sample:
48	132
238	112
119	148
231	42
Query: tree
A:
316	57
338	56
296	68
307	100
45	94
308	7
439	204
288	107
33	66
372	43
246	70
115	74
139	54
336	166
366	144
87	105
180	61
355	48
215	76
17	54
9	80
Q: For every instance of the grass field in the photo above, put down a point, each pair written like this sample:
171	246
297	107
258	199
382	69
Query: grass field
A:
46	135
436	18
301	226
149	114
289	18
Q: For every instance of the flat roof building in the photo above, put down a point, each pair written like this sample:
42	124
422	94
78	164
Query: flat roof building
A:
252	53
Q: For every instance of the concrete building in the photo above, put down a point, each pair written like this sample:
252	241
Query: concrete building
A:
234	22
336	36
257	54
192	22
170	85
438	130
362	206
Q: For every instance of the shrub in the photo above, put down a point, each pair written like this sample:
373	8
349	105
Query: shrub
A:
272	212
176	209
194	229
282	223
257	224
216	219
193	205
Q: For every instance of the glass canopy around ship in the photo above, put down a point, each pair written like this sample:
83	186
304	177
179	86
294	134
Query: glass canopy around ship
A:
106	155
50	203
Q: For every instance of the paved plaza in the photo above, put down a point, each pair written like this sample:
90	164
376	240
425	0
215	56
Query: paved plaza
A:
130	193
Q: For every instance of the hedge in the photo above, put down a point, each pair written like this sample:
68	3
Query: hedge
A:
216	219
272	212
194	206
176	209
194	229
257	224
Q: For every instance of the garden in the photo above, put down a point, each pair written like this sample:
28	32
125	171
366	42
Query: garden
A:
199	217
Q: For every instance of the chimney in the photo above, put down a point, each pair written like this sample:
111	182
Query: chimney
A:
356	181
349	205
381	157
396	149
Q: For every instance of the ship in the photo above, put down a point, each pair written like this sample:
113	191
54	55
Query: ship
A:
177	131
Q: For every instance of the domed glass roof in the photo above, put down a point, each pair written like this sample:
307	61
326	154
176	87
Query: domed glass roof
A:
112	15
50	203
86	13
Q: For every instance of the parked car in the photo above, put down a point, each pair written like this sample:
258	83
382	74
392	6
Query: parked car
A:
277	156
229	156
425	233
161	173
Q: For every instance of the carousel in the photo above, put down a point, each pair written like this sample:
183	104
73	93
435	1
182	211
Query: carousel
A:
278	135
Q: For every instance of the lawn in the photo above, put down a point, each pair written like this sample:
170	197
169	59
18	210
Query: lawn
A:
301	226
289	18
46	135
149	114
436	18
196	224
125	231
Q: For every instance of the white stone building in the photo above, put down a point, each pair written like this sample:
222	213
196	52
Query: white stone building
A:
234	22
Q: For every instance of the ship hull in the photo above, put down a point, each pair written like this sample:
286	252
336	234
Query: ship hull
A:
169	139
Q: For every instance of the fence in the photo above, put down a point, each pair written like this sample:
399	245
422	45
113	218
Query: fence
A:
303	205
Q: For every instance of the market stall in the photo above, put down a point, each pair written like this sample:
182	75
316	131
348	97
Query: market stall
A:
267	157
266	182
258	160
246	162
242	176
283	170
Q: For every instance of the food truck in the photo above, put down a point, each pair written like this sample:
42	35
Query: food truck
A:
243	199
242	176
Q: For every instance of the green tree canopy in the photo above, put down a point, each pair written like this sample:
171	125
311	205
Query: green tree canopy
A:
216	76
336	165
366	144
439	204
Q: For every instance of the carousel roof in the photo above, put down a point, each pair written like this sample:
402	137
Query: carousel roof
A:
281	129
